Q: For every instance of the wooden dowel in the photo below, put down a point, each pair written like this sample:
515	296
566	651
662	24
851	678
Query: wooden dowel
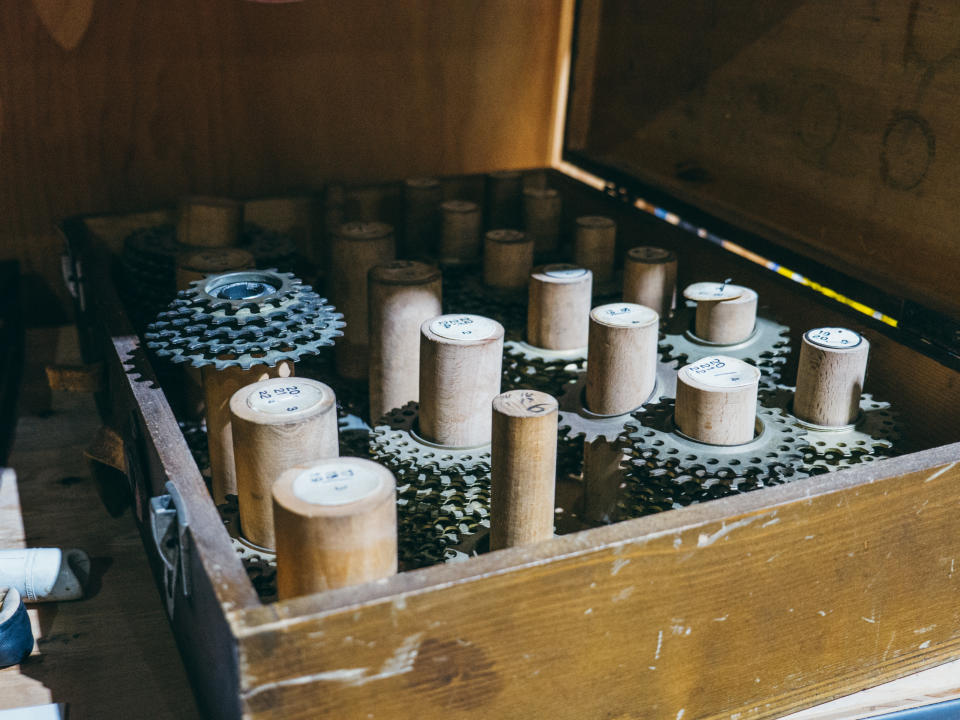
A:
558	311
356	247
717	400
336	525
421	204
523	468
209	221
460	233
541	218
218	387
504	199
277	424
726	314
602	479
197	264
365	204
507	259
403	295
830	376
622	358
595	246
650	278
460	367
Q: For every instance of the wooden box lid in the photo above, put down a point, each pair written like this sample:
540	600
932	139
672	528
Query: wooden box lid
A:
830	129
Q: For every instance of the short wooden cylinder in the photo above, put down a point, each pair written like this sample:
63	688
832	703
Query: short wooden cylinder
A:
595	246
727	322
209	221
336	525
650	278
403	295
218	387
717	400
504	199
523	468
558	311
507	259
541	218
460	366
830	376
421	213
356	247
460	233
622	358
197	264
277	424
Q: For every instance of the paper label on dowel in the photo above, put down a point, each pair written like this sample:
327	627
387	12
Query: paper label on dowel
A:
722	372
564	272
834	337
712	291
336	483
464	327
290	397
625	314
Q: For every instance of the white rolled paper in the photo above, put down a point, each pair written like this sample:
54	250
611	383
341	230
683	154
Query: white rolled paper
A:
44	574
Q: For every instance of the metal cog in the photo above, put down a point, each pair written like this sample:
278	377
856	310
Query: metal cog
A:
260	563
576	421
526	366
871	437
768	347
395	436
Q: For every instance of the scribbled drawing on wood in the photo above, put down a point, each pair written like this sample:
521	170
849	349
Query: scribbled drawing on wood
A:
66	20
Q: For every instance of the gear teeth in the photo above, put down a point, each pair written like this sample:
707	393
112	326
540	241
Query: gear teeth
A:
527	367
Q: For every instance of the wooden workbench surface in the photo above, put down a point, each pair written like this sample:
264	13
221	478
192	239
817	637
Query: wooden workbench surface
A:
111	654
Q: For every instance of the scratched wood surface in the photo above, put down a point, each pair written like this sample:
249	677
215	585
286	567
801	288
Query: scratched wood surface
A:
831	128
122	106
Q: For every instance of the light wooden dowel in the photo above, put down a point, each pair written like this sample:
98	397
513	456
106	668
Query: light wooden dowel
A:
277	424
504	199
356	247
595	246
507	259
209	221
403	295
523	468
460	234
421	205
717	400
726	317
197	264
218	387
622	358
460	367
650	278
541	218
602	479
558	311
336	524
830	376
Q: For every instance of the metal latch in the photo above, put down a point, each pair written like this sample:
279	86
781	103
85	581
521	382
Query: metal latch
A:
71	270
169	526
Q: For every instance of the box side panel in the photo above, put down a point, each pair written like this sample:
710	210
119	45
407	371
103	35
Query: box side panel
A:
755	605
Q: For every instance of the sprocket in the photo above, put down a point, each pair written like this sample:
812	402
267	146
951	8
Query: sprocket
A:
533	368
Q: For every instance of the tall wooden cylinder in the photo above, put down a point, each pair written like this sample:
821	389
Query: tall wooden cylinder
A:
218	387
197	264
622	358
504	199
728	317
717	400
209	221
403	295
558	311
276	425
541	218
650	278
336	524
356	247
507	259
460	233
523	468
595	246
421	205
830	376
460	367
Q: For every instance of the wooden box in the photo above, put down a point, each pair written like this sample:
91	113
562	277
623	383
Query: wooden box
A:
770	130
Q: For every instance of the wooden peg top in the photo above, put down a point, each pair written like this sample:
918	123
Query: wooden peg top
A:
830	375
712	291
624	315
462	329
335	487
525	403
282	401
651	255
422	183
726	313
363	230
404	272
717	400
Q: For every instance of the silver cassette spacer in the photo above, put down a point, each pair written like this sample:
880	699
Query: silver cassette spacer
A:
526	366
872	436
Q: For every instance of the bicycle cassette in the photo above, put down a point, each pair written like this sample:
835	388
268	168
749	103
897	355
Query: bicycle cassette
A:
871	436
529	367
768	347
245	318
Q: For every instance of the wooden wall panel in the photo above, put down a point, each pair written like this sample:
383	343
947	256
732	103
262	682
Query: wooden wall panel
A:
125	106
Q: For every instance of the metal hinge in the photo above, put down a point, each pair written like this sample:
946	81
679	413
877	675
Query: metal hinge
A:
931	328
72	272
169	527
